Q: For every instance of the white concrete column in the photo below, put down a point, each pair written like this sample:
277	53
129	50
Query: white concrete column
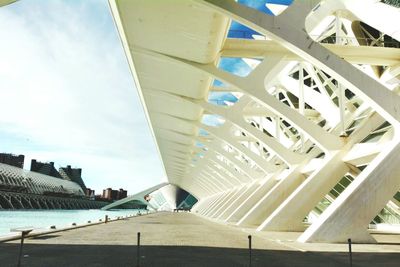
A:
349	215
226	202
288	182
218	201
238	200
212	203
221	133
234	115
205	204
289	215
251	200
200	205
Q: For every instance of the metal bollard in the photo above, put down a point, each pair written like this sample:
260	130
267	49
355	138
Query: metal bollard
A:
249	237
350	253
138	250
23	234
106	219
20	249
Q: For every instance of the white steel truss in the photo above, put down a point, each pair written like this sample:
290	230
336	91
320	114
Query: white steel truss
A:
308	139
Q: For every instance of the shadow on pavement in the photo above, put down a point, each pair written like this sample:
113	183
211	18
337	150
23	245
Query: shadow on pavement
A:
50	255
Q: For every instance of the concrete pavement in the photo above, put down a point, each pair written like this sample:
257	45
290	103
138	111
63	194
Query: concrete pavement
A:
184	239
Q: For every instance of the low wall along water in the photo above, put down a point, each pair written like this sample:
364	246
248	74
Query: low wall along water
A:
60	218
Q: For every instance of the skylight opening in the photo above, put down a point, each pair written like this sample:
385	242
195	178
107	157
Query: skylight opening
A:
212	120
203	132
269	7
241	67
239	31
218	83
200	155
223	98
198	144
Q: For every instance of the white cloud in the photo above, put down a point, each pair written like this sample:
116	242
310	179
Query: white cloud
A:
65	86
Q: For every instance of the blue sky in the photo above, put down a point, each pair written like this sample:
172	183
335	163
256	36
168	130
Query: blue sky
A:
67	94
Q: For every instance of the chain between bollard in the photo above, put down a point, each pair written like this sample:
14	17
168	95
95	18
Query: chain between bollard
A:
138	250
249	237
350	253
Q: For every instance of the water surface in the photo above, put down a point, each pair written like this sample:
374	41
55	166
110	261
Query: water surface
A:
59	218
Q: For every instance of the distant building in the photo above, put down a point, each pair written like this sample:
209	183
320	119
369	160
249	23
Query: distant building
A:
122	193
106	193
22	189
43	187
46	168
73	174
89	192
13	160
111	194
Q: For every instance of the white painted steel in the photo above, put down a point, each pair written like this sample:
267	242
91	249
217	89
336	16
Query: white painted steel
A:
320	101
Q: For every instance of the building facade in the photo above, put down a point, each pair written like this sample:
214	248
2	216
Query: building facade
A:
13	160
72	174
43	187
112	195
46	168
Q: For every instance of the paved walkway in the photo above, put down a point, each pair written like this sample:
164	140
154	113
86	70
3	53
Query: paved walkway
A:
183	239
